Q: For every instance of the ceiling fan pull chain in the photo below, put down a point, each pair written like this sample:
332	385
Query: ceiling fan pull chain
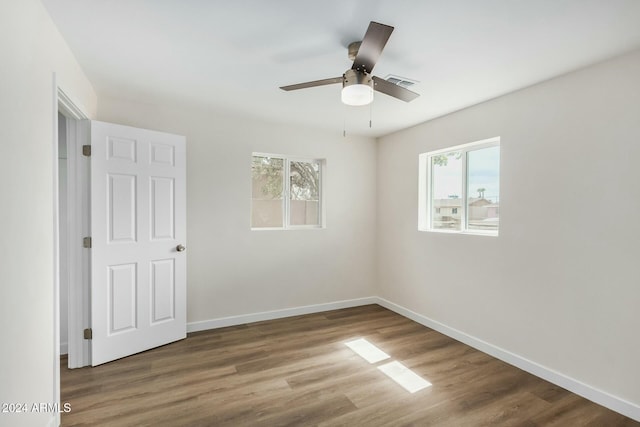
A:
344	121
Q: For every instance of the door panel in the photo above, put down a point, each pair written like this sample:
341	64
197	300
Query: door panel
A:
138	209
122	298
121	210
162	208
163	287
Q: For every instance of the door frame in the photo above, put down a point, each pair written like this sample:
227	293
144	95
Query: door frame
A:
79	226
78	350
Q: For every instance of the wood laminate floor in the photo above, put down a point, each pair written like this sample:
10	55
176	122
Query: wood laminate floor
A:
298	372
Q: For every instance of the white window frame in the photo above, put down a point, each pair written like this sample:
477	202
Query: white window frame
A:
425	188
286	196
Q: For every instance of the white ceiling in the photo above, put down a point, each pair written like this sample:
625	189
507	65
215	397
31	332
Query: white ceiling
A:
235	54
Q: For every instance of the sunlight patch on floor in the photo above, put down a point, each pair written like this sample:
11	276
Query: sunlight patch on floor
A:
404	376
366	350
395	370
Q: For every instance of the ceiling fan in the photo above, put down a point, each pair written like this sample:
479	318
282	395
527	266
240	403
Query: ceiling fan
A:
357	83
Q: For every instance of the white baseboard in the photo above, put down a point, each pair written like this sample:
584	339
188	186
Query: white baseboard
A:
595	395
54	421
64	348
277	314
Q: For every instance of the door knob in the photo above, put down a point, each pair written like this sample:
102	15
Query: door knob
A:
181	248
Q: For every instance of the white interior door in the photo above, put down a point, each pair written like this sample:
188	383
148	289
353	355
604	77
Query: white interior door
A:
138	231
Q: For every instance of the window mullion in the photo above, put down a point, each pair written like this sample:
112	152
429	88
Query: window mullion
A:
463	215
430	195
286	200
320	193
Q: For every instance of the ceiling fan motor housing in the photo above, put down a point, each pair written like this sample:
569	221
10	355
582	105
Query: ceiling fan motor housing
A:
356	77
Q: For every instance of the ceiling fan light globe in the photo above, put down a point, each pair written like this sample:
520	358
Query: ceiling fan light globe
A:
357	94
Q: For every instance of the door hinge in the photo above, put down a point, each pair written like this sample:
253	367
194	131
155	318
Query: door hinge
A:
88	334
86	150
86	242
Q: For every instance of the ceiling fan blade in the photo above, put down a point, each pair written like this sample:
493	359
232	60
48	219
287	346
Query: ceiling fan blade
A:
313	84
372	44
381	85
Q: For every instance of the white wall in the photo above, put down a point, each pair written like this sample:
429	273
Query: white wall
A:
235	271
31	50
560	286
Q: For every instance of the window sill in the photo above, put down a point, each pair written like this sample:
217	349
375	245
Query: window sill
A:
465	232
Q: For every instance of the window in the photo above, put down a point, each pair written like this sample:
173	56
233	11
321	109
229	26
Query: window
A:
286	192
460	188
